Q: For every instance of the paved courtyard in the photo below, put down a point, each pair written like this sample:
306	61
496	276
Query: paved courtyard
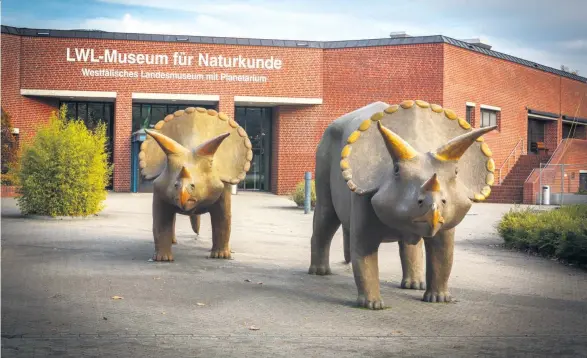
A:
59	277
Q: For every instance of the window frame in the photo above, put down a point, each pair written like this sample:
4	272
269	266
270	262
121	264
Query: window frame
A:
489	112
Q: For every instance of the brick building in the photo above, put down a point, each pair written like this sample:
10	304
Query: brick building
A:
284	93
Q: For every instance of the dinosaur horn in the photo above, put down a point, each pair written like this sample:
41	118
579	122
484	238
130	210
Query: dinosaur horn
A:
185	174
209	147
454	149
168	145
398	148
431	184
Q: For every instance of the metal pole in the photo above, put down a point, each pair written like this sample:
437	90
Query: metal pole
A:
134	169
308	192
562	183
540	185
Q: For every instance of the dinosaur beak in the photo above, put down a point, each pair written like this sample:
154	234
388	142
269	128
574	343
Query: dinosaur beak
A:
433	217
183	197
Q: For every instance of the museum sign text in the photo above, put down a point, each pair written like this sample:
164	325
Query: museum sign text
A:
201	61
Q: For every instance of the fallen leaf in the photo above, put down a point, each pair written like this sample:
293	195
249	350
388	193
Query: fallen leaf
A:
105	319
200	304
247	280
253	328
117	297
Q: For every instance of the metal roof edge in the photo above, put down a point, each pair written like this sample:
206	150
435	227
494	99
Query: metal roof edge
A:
510	58
543	113
326	45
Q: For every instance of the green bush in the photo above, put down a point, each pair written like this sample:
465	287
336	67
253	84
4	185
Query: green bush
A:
64	170
9	151
300	192
560	233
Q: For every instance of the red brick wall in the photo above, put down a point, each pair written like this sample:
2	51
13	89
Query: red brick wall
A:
26	113
486	80
11	99
358	76
574	98
44	66
295	134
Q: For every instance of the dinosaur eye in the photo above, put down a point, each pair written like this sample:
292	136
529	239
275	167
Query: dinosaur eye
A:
443	201
420	202
456	170
396	170
192	186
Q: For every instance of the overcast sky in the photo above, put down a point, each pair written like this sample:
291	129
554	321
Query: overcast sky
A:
549	32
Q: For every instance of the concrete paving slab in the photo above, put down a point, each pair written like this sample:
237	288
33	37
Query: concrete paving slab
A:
58	279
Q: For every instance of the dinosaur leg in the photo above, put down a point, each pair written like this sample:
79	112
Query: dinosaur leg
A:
366	270
412	259
346	238
163	229
365	241
325	225
195	221
439	255
220	214
174	239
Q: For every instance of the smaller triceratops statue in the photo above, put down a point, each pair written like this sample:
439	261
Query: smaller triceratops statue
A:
195	155
413	171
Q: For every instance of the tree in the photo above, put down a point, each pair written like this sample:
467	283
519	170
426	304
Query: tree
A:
9	150
567	69
64	171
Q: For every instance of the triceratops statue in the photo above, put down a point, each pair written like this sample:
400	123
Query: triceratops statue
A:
413	171
195	155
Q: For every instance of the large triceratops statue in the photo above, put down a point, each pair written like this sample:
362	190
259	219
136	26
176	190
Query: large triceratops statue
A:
195	155
398	173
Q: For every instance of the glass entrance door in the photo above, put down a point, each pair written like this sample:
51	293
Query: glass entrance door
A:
257	123
535	135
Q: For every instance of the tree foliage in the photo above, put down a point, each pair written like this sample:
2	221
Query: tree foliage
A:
9	150
64	170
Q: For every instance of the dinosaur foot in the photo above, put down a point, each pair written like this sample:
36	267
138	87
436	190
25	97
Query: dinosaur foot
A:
430	296
162	256
373	304
320	270
220	254
411	284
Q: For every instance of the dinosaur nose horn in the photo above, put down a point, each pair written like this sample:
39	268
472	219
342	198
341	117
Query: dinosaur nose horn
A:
431	184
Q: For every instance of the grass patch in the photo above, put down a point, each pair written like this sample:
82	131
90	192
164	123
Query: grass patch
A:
560	233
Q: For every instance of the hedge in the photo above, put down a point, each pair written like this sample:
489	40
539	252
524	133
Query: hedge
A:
299	193
559	233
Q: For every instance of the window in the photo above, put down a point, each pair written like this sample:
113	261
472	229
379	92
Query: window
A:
488	117
536	129
146	115
470	115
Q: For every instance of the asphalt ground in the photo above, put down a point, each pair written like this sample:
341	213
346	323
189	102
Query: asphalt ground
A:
59	278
